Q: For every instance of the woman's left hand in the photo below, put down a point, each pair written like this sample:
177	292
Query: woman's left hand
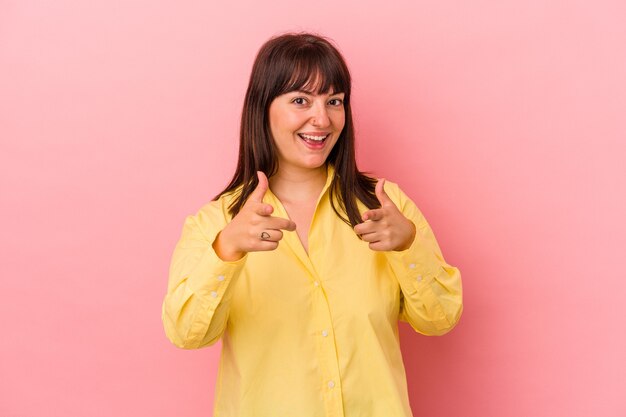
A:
386	228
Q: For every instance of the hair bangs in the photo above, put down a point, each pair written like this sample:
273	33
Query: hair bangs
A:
314	71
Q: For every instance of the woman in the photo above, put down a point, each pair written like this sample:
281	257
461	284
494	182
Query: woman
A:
303	265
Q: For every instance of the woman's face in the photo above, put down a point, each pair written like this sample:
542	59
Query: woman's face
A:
305	127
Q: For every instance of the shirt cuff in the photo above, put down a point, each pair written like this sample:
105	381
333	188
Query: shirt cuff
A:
416	268
213	276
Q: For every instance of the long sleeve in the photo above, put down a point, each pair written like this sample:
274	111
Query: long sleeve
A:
196	306
431	298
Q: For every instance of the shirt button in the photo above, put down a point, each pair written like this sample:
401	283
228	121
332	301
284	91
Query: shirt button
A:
220	277
331	384
213	294
412	266
419	278
324	333
317	283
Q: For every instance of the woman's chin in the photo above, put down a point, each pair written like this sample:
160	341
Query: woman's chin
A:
315	163
312	163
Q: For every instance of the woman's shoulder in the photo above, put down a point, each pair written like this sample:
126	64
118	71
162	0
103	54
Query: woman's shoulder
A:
398	196
391	188
217	210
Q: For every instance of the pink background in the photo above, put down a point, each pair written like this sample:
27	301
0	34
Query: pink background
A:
504	120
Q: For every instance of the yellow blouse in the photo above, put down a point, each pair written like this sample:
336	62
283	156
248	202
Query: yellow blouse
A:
309	335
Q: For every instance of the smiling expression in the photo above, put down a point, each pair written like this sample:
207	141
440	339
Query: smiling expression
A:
305	127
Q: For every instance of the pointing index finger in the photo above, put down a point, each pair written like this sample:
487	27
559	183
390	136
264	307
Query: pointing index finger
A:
263	209
374	215
281	223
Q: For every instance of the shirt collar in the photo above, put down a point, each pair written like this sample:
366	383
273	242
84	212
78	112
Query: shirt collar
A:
330	175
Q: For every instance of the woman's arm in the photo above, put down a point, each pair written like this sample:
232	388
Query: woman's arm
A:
196	306
432	298
195	309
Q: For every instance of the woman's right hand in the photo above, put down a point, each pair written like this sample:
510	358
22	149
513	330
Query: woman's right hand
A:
243	233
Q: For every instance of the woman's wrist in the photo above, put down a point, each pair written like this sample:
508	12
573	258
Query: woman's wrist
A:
411	238
224	251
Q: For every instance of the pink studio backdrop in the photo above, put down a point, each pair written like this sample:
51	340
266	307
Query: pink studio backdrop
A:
504	120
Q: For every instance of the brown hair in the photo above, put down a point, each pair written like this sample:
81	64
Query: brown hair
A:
286	63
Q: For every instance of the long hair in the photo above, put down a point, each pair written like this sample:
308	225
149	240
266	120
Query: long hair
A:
287	63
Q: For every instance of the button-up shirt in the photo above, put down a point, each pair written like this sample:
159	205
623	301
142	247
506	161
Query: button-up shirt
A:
309	334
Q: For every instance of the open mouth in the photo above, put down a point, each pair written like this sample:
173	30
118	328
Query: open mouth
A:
313	140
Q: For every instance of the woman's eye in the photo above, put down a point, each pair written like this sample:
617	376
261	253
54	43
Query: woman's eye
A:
337	102
298	100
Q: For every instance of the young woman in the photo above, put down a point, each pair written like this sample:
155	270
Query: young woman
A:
303	265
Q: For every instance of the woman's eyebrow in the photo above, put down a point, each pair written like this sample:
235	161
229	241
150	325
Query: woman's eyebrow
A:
312	93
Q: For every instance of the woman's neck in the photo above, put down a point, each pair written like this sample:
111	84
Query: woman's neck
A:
298	185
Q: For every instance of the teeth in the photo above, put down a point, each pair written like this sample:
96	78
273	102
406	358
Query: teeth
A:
316	138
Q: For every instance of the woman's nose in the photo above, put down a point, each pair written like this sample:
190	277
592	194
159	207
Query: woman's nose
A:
320	116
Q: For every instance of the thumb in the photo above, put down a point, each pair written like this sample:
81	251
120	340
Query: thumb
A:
382	196
261	188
